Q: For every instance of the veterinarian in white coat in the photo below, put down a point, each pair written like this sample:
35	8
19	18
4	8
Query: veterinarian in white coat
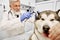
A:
14	30
11	26
14	11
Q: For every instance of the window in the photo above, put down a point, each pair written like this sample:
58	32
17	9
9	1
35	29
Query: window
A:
40	0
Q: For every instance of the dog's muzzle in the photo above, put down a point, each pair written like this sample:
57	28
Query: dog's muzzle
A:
46	29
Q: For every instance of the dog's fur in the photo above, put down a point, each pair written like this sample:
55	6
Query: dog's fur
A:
49	18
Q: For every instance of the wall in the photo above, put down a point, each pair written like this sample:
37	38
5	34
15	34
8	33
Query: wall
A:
44	0
27	3
48	5
6	3
58	5
1	10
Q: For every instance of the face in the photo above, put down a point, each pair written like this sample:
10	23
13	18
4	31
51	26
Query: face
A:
46	20
15	6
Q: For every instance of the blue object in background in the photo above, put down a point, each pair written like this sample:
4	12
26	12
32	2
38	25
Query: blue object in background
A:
26	15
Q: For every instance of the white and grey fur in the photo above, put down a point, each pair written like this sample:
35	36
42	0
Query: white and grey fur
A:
46	19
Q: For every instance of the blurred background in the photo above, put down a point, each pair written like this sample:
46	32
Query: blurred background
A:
8	10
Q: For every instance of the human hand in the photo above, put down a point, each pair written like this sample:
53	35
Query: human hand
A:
55	32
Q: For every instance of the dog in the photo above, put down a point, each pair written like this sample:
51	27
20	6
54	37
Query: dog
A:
43	22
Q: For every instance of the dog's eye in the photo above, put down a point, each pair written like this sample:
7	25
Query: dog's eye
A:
52	20
42	19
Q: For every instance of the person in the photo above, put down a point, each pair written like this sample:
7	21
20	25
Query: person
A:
26	15
14	11
55	32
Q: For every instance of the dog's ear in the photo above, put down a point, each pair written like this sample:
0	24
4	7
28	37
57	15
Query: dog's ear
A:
58	14
37	16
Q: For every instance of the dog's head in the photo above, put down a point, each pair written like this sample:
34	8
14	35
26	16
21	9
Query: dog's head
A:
45	20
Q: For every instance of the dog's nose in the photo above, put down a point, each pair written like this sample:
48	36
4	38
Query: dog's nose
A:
46	29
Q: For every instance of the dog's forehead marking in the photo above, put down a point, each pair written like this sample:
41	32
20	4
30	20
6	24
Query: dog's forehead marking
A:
48	14
43	16
51	16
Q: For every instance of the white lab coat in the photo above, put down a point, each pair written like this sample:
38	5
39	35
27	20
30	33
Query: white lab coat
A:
10	28
12	14
7	15
28	28
11	32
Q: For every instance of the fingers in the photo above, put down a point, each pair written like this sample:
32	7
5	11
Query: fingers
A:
58	38
54	32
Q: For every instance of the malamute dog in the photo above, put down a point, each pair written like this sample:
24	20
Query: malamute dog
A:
43	22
